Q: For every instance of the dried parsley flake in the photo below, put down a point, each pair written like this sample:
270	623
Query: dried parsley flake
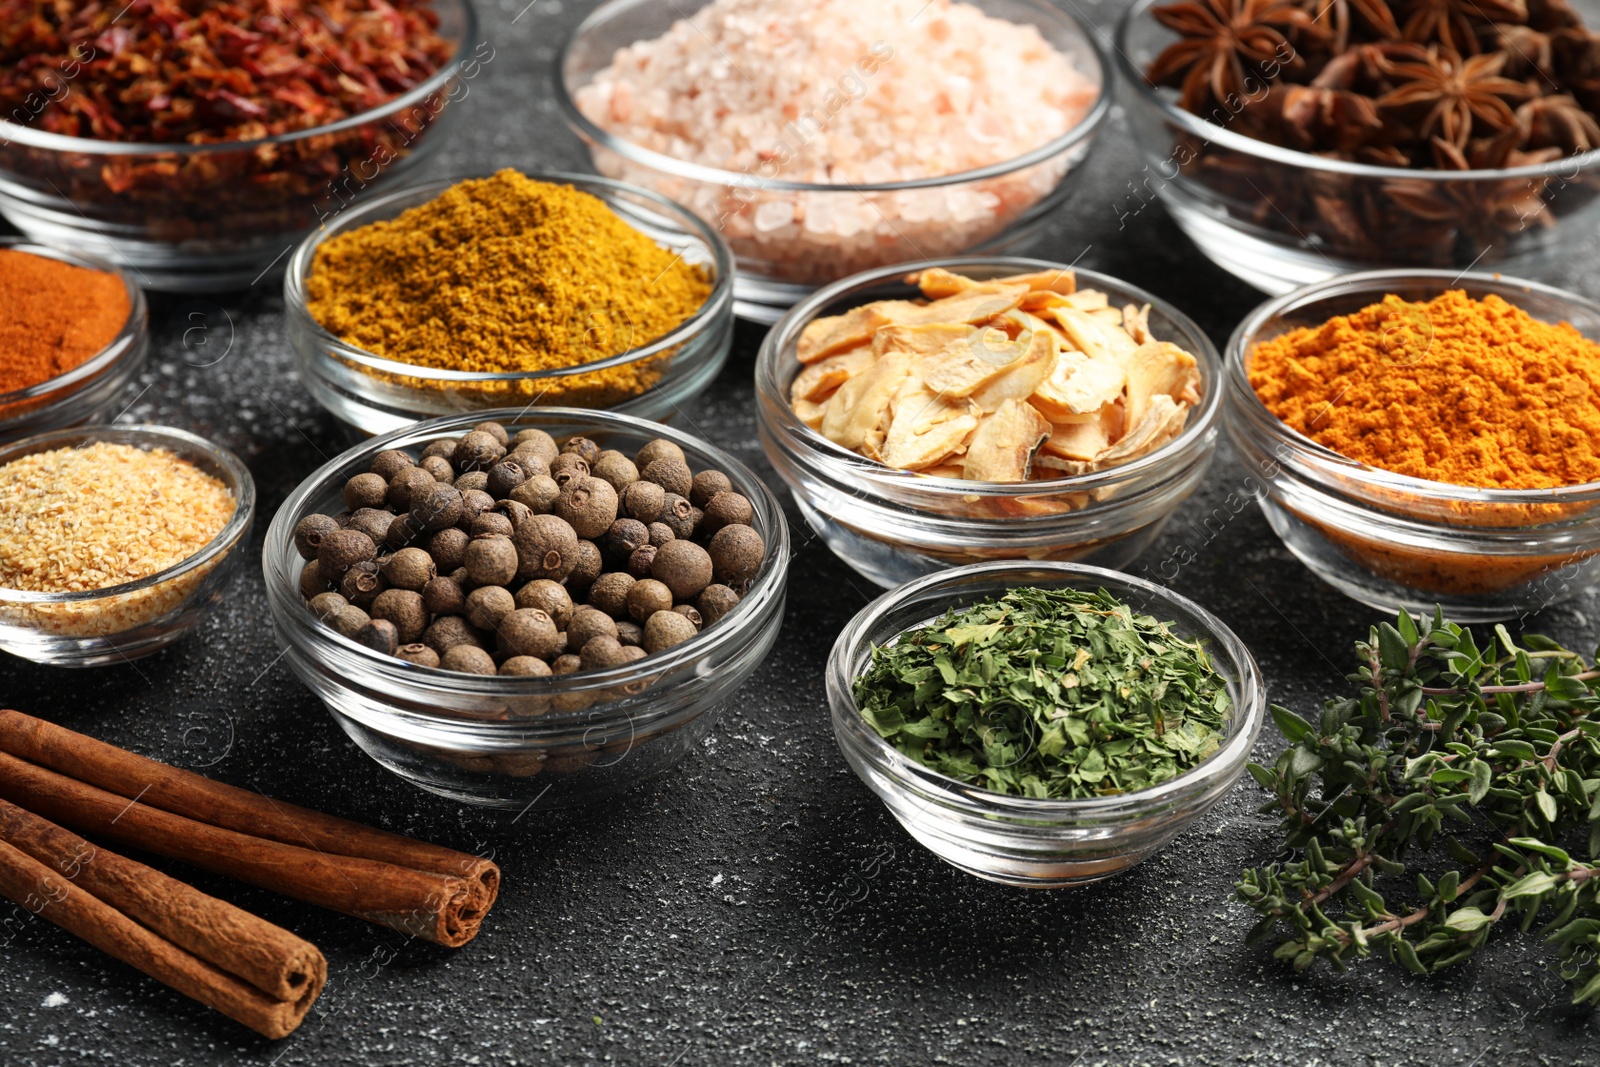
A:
1048	693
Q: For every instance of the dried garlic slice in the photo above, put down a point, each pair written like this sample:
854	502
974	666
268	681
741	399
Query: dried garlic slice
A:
828	336
924	428
1159	368
1018	379
1002	448
1093	337
1078	387
961	368
919	340
819	380
1162	421
861	405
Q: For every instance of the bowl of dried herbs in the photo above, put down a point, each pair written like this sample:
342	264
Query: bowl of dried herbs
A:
1043	724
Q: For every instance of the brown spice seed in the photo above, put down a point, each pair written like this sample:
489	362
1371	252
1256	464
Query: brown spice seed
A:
587	624
440	468
612	466
726	509
444	596
467	659
448	549
309	532
549	597
665	629
673	475
409	568
388	463
477	450
683	567
365	491
642	501
342	549
419	654
403	608
448	631
648	597
525	667
707	484
609	593
402	485
378	635
530	632
589	505
488	604
659	448
491	559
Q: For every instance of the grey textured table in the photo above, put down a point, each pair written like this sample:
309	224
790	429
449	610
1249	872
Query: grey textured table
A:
757	905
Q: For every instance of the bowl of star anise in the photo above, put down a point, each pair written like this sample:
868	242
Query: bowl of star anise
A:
1293	140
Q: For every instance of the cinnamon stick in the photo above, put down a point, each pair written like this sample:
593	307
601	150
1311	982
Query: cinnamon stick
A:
278	963
197	797
439	907
76	910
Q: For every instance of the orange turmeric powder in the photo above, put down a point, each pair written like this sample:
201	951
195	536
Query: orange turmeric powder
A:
508	274
1471	392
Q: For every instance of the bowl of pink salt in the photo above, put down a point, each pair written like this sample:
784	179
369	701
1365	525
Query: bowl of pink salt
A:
834	137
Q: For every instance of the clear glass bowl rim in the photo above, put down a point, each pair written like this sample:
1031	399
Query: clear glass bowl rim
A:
1568	166
1249	406
727	630
242	485
120	345
57	142
788	328
1228	760
294	294
717	176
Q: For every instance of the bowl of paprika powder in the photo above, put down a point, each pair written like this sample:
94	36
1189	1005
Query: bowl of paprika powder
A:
1427	438
74	330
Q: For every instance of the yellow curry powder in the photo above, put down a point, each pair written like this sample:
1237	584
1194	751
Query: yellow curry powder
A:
507	274
1470	392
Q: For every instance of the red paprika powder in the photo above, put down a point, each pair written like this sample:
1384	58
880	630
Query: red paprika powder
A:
53	316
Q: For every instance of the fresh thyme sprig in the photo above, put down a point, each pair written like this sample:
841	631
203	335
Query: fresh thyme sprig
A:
1503	750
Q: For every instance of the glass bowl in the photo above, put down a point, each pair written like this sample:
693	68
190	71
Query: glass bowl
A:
510	742
896	221
1393	541
1279	218
377	395
1022	841
89	391
208	217
895	525
123	622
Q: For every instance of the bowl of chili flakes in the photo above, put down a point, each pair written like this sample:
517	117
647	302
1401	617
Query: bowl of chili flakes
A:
195	143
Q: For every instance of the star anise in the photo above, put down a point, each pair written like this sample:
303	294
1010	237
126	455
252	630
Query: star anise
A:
1454	24
1550	15
1557	122
1329	118
1528	51
1342	17
1453	98
1219	37
1577	58
1364	68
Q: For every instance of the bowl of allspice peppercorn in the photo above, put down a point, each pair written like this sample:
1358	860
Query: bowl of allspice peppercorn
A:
542	607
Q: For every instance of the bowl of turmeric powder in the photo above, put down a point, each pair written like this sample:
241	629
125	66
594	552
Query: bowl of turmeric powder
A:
1427	438
511	290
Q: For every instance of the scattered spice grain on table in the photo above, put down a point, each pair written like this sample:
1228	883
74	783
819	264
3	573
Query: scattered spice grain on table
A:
54	316
74	519
1469	392
508	274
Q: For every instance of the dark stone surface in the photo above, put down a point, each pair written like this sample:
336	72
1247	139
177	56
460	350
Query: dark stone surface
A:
758	905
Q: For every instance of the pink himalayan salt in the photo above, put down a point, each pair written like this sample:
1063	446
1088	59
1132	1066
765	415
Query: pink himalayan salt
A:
847	93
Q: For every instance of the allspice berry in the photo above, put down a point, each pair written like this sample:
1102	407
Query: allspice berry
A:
678	515
448	631
444	448
634	652
648	597
581	446
474	502
402	532
660	448
505	476
549	597
419	654
673	475
311	580
437	508
547	547
623	537
736	554
525	667
488	604
309	532
588	568
536	442
439	467
587	624
448	549
715	601
629	632
340	550
471	480
660	534
665	629
683	567
726	509
640	562
444	596
477	450
707	484
495	430
589	505
690	612
372	522
403	608
388	463
602	652
491	523
491	560
613	467
378	635
365	491
530	632
348	620
409	568
361	583
642	501
609	593
402	485
567	466
567	664
537	493
467	660
324	604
